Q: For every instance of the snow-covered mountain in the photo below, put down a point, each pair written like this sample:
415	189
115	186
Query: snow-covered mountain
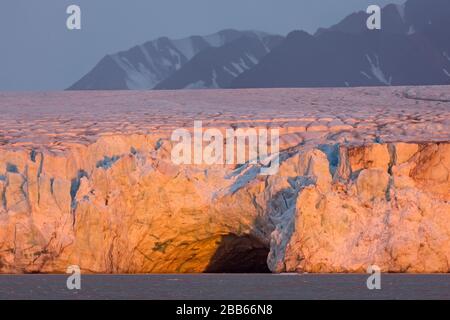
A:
144	66
217	67
412	48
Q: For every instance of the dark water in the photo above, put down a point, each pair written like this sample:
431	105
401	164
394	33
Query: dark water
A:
225	286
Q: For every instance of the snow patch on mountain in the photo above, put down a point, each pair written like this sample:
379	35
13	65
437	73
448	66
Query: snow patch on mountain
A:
185	46
377	71
214	79
138	79
146	55
215	40
241	65
366	75
233	74
446	55
197	85
401	11
252	59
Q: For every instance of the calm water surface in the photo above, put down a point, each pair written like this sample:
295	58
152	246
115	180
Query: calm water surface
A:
225	286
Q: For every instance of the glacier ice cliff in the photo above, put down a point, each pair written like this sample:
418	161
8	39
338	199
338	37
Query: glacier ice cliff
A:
350	192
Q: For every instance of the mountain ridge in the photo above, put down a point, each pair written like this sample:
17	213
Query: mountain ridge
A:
143	66
412	48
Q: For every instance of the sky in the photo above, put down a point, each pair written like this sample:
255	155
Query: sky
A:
39	53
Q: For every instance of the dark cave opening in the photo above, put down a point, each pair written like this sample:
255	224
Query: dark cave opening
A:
239	254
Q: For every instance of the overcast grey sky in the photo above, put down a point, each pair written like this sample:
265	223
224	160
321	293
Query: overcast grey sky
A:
37	52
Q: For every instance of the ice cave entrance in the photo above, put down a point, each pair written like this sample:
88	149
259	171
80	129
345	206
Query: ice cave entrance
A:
239	254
